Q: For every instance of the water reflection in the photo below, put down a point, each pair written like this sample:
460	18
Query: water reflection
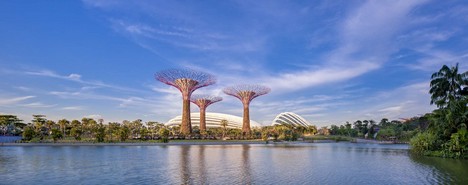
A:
185	165
325	163
245	168
452	171
202	165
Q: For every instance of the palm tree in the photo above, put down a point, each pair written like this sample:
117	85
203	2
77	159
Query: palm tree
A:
49	125
447	85
63	124
224	123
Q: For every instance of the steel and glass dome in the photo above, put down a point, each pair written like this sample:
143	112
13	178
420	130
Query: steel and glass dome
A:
290	118
213	120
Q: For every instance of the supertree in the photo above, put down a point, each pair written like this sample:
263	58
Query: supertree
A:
203	101
187	81
246	93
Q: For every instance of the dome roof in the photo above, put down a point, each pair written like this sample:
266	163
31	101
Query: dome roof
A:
290	118
213	120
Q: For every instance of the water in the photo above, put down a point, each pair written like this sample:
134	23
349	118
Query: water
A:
314	163
9	139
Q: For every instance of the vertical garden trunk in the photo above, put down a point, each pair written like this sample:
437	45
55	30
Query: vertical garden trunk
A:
186	126
246	121
202	120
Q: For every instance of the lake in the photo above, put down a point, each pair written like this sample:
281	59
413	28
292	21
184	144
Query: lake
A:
299	163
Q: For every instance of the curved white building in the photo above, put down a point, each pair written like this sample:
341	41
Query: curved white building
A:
290	118
213	120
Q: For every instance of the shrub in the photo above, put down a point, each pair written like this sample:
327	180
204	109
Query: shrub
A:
76	133
386	133
28	133
164	133
56	134
35	140
457	146
423	142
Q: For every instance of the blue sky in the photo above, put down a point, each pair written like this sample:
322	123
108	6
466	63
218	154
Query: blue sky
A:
328	61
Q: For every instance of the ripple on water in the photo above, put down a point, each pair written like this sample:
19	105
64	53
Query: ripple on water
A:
310	163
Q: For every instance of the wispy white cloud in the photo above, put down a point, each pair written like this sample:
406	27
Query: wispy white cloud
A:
163	106
77	78
14	100
366	43
73	108
23	88
435	58
48	73
403	102
306	79
37	105
181	38
391	109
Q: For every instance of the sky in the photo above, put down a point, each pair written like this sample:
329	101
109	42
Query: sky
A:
328	61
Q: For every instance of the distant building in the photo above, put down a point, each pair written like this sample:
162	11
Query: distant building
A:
213	120
290	118
324	131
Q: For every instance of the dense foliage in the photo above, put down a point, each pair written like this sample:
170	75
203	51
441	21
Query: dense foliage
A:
89	130
385	130
446	135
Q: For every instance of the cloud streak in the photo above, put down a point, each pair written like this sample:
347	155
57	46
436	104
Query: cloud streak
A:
77	78
305	79
15	100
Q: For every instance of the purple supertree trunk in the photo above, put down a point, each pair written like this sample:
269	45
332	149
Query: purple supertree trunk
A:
246	93
203	101
187	81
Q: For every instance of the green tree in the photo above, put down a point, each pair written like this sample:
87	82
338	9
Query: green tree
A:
447	85
144	133
100	132
135	128
92	125
28	133
334	130
88	126
39	122
124	133
76	133
224	123
164	133
9	124
56	134
49	124
63	123
384	122
113	129
75	124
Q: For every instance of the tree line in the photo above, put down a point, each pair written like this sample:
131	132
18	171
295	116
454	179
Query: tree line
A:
40	129
385	130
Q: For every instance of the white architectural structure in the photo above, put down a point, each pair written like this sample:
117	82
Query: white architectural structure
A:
213	120
290	118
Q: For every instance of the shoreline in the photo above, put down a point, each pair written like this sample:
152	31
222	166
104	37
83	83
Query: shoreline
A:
138	143
177	143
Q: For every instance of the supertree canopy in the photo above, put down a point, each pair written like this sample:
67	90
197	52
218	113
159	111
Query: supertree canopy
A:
246	93
203	101
187	81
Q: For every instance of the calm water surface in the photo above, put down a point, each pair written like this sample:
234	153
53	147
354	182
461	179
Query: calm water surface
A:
314	163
